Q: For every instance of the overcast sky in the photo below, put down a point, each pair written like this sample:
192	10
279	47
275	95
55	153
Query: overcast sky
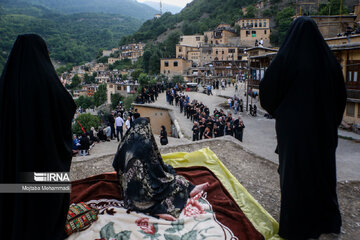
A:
180	3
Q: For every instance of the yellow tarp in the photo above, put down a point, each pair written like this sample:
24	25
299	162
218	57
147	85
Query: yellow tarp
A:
258	216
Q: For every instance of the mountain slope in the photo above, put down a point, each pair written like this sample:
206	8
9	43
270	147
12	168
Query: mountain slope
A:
165	7
124	7
72	38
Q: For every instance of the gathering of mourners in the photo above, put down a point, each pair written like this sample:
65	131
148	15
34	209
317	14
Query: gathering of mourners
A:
208	125
114	127
149	94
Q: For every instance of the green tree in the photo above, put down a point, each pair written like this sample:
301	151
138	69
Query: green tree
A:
136	73
85	102
332	8
144	79
87	121
250	11
125	77
100	96
129	100
177	79
283	21
115	99
75	81
153	81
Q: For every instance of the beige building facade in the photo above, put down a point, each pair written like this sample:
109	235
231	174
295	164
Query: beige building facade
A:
121	88
192	40
348	56
252	29
174	66
157	116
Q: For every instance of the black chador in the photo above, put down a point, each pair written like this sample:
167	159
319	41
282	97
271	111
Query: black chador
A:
304	90
35	136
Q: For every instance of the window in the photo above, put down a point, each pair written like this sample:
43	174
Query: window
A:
166	64
217	52
110	86
247	33
180	49
164	71
349	79
181	39
256	24
222	52
231	50
355	79
197	38
264	31
253	33
168	71
260	24
350	109
119	88
264	24
175	64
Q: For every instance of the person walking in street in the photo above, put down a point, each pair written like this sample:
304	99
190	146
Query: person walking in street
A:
302	88
119	122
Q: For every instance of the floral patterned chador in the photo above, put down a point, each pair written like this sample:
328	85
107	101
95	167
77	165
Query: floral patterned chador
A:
148	185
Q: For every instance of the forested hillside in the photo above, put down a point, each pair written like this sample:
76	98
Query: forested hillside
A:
72	38
129	8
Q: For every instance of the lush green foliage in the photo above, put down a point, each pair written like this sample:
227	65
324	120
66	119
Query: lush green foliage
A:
87	121
283	21
75	82
144	79
197	17
124	7
250	11
332	8
85	102
129	100
74	38
177	79
90	79
122	64
115	99
100	95
136	74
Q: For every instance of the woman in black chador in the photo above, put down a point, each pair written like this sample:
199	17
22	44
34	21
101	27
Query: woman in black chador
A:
35	136
148	184
304	90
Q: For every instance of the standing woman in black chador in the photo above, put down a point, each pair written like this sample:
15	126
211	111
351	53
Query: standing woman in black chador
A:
35	136
304	90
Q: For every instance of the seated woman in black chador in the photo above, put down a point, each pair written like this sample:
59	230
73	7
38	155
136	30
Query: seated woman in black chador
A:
148	184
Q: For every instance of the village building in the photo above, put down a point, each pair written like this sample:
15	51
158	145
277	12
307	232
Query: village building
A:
157	116
259	59
113	60
222	34
79	92
332	26
252	29
348	56
175	66
90	88
192	40
124	89
132	51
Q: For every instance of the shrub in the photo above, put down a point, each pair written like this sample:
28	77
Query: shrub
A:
87	121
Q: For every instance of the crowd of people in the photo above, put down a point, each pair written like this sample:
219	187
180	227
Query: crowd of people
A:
149	94
206	125
114	125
